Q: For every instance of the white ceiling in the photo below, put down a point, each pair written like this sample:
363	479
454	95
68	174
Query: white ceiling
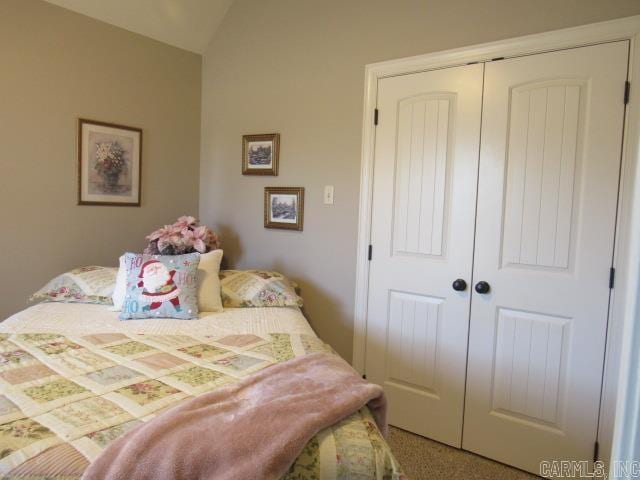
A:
187	24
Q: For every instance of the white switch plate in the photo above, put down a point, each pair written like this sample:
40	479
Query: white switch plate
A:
328	194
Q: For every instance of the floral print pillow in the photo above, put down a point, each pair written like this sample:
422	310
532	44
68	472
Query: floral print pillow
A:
82	285
257	288
161	286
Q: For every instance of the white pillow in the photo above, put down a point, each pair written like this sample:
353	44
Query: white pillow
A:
209	299
120	290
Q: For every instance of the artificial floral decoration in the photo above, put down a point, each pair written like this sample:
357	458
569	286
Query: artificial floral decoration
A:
184	236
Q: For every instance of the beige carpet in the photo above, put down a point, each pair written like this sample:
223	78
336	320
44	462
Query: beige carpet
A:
424	459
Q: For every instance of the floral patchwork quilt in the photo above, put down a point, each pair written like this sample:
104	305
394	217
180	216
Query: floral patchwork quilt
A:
64	398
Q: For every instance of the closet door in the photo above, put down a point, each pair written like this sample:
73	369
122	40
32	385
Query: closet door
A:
425	175
548	184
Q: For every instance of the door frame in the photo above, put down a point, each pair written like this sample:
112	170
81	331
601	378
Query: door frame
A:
622	301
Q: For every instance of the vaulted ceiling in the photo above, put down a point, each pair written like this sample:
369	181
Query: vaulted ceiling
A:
187	24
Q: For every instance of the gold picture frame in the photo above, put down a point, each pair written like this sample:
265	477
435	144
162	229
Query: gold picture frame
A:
260	154
284	207
109	164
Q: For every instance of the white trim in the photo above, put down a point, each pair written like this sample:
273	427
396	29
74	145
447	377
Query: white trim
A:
622	251
364	222
623	302
625	387
622	29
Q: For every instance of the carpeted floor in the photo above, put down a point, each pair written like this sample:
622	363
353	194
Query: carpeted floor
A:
424	459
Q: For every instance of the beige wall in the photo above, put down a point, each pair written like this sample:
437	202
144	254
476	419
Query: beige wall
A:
297	68
56	66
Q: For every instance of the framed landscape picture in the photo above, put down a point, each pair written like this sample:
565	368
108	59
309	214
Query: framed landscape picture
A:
284	207
260	154
109	160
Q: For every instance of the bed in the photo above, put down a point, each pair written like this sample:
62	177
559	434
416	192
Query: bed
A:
73	378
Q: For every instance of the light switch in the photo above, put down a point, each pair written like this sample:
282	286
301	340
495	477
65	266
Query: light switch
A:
328	194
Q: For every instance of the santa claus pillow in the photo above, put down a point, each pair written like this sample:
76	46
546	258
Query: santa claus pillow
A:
161	286
209	299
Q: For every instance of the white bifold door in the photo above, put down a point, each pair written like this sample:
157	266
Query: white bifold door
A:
494	209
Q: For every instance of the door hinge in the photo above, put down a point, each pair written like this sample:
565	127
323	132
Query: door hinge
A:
627	91
370	254
596	448
375	117
612	277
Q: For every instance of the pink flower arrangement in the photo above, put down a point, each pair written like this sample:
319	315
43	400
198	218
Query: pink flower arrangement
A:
184	236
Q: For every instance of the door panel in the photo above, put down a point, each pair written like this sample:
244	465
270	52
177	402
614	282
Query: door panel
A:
528	381
414	339
425	176
421	188
545	129
547	196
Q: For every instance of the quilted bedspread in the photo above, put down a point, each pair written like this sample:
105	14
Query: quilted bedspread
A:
64	398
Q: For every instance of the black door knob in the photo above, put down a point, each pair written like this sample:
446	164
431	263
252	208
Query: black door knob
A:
482	287
459	285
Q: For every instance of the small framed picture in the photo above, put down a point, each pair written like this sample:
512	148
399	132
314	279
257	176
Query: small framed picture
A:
260	154
109	161
284	207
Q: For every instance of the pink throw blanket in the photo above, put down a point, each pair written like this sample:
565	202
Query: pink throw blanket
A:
254	429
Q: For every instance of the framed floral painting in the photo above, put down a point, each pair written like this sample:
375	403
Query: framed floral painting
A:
109	161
